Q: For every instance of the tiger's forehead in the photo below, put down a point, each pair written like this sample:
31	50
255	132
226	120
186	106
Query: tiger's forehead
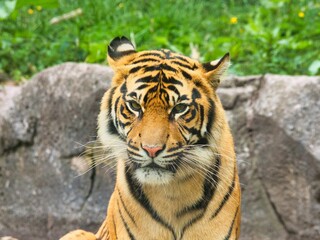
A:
161	76
164	55
158	86
171	65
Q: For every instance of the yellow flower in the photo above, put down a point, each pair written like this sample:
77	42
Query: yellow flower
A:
301	14
39	8
30	11
234	20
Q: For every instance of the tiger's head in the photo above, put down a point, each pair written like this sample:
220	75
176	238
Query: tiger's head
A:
161	114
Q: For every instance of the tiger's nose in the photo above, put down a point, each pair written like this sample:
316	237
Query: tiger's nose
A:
152	151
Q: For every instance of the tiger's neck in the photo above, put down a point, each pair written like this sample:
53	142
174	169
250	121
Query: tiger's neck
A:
168	201
173	207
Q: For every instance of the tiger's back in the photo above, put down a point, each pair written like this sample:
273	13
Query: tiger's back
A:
176	167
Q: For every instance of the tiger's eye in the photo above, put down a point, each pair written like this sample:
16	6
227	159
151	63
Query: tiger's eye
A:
135	106
180	108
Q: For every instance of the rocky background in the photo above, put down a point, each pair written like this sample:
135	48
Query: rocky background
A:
45	123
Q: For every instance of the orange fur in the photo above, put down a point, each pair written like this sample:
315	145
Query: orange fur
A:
176	172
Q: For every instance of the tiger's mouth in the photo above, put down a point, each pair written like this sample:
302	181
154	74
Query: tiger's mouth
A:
154	166
153	170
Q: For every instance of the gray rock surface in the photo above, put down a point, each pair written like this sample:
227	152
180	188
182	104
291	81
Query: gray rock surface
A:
43	128
45	122
275	122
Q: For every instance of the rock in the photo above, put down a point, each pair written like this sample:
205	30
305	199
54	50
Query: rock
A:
43	128
276	129
45	123
286	132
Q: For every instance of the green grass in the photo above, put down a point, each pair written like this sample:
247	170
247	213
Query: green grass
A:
268	37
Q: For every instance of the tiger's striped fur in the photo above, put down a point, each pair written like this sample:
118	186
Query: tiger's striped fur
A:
176	167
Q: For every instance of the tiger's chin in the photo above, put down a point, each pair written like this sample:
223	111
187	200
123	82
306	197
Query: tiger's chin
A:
153	176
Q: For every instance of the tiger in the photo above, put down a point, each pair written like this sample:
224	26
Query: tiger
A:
164	125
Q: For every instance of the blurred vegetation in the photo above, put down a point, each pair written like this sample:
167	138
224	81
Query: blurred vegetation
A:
274	36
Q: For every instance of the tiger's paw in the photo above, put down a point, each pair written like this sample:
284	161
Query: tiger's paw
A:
79	235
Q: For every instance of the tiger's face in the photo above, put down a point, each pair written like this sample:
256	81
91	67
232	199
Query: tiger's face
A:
160	110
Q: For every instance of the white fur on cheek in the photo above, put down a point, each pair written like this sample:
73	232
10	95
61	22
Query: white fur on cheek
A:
108	140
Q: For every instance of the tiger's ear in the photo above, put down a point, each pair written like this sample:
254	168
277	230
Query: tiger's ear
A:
118	48
215	69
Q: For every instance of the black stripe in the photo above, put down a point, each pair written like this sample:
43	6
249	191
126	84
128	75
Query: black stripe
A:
195	94
139	195
203	141
193	131
136	69
231	227
116	105
133	95
124	124
171	80
193	113
149	95
168	68
152	68
142	86
123	88
175	148
182	59
110	97
226	196
153	89
181	132
133	153
183	65
174	89
131	146
172	155
125	208
165	95
191	223
155	54
122	108
201	116
209	188
146	98
198	83
183	97
186	75
111	128
159	67
125	223
211	115
148	79
135	163
145	60
172	166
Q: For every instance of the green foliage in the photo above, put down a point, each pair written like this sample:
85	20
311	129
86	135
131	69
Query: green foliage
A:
42	3
277	36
